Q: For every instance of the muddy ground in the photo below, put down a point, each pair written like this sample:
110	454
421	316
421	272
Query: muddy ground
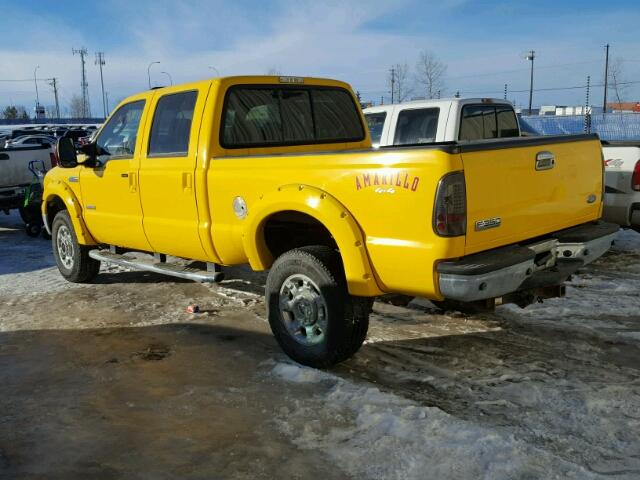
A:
117	380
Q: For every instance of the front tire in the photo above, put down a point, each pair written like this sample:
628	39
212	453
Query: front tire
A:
73	259
312	316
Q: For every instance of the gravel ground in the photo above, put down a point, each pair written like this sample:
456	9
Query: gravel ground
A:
117	380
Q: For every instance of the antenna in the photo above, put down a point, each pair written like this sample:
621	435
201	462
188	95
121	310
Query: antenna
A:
86	110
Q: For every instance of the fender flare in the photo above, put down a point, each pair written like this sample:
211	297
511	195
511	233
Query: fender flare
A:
328	211
71	203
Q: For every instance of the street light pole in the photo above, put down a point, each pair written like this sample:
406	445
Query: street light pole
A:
531	56
215	69
170	79
35	81
149	73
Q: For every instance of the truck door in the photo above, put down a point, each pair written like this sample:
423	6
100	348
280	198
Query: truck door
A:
167	170
110	196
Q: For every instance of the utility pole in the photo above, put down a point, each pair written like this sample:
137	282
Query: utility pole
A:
106	97
381	99
531	56
35	81
54	84
606	78
393	83
86	111
587	114
100	62
505	91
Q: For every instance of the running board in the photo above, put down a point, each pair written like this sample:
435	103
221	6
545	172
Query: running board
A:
152	265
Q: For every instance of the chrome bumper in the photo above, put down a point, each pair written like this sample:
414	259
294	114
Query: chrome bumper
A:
505	270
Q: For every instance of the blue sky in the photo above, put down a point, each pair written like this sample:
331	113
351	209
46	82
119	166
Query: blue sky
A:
482	42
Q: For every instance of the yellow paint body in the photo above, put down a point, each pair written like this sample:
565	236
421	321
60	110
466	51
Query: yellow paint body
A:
376	204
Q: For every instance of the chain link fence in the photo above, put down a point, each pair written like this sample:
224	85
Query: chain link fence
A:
609	126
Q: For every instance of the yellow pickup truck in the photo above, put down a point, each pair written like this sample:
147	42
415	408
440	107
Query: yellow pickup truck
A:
278	172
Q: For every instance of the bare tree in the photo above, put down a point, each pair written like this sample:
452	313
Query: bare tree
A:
76	106
430	74
616	82
275	71
399	82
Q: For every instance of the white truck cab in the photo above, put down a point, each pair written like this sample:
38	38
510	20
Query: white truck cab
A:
441	120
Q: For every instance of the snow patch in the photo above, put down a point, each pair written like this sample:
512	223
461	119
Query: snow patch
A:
379	435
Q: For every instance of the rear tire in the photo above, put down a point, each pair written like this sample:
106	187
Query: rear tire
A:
312	316
73	259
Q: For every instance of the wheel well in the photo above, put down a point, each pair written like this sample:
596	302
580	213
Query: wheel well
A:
54	205
284	231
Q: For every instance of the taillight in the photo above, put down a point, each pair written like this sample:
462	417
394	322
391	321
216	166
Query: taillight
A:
450	209
54	159
635	178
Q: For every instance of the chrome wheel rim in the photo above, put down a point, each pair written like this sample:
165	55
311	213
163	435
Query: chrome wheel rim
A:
64	242
303	310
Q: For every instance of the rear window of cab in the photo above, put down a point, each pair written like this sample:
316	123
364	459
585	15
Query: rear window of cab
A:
270	116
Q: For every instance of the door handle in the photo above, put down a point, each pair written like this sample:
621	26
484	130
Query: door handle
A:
124	175
187	181
132	182
545	160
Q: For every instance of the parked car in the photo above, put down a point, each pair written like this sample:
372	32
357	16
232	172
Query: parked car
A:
15	175
622	183
30	140
278	172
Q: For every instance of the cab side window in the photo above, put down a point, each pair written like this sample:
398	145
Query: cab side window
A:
171	126
118	137
481	122
416	126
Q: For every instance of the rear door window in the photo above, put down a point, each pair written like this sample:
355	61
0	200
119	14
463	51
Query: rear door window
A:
481	122
375	122
256	116
416	126
171	127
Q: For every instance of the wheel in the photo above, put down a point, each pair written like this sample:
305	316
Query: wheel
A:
312	316
73	259
33	229
25	215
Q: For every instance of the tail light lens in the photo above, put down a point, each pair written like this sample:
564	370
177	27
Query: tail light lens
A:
635	178
450	209
54	159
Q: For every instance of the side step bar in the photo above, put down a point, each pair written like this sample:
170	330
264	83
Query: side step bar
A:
152	265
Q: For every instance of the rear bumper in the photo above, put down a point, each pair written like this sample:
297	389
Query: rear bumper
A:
12	197
518	267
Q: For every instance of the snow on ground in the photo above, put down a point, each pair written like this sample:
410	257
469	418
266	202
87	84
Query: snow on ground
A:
384	436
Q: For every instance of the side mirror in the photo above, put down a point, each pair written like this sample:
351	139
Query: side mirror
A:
66	151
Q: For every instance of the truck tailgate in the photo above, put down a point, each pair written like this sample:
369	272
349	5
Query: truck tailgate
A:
14	164
523	188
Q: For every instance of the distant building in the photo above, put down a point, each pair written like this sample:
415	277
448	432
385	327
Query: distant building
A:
562	110
624	107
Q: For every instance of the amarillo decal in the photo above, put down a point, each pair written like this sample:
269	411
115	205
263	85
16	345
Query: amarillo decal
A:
398	179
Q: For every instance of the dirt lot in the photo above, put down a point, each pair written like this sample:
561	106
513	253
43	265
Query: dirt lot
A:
116	380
